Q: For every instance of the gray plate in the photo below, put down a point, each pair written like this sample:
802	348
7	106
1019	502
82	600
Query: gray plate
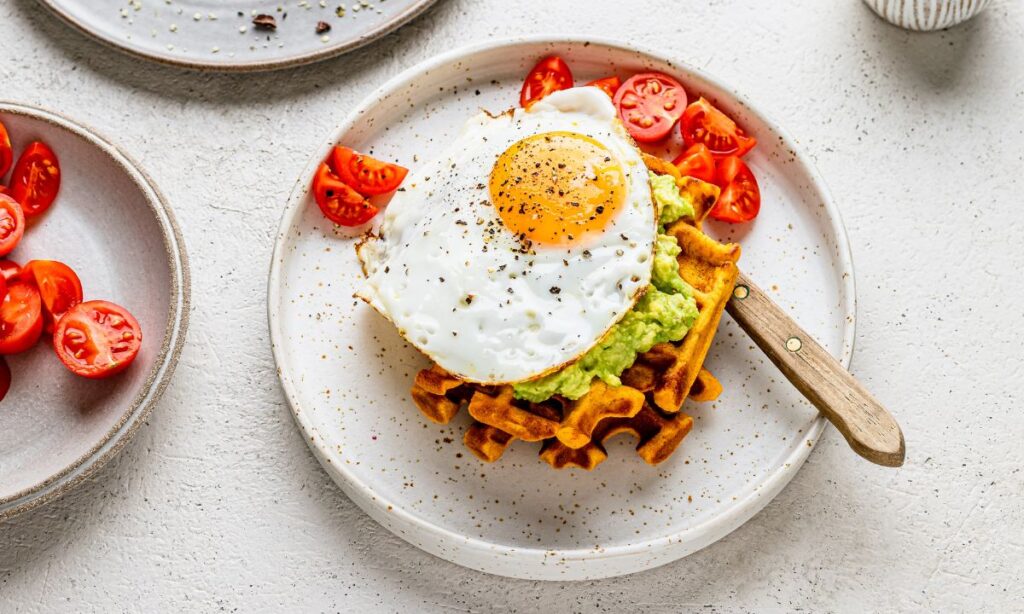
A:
112	226
220	35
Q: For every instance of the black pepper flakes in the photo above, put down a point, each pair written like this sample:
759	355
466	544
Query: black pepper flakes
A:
322	27
555	290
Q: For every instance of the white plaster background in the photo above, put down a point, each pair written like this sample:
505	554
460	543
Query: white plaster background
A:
217	505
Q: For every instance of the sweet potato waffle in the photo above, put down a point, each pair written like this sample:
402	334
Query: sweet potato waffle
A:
648	403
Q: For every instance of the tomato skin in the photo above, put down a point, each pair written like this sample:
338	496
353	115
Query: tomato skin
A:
740	200
609	85
21	318
551	74
9	269
36	179
366	174
12	224
340	203
649	104
697	162
5	378
6	153
97	339
58	285
702	122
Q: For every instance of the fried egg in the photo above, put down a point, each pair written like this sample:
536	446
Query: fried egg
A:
514	251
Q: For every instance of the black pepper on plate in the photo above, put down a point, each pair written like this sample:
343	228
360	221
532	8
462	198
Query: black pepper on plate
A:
264	22
322	27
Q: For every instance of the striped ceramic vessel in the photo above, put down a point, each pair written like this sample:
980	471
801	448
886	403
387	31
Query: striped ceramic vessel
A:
926	14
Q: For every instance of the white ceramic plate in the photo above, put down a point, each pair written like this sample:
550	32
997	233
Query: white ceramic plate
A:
347	373
112	226
220	35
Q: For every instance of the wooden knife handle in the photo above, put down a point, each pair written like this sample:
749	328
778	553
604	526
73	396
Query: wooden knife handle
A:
868	427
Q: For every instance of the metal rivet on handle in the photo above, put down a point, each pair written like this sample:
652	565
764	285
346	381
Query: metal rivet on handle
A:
740	292
793	344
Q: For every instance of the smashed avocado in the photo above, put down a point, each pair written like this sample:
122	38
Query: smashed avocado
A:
666	194
664	313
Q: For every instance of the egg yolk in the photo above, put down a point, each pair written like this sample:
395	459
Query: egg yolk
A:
556	188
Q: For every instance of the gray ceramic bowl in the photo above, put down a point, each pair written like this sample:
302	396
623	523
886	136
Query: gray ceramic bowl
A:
220	34
111	224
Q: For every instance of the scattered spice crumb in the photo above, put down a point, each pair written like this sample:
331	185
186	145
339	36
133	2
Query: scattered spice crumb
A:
264	22
322	27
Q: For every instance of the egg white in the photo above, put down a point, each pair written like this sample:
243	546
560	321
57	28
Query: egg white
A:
455	281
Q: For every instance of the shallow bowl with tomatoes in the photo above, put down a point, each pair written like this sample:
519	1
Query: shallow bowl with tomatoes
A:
109	223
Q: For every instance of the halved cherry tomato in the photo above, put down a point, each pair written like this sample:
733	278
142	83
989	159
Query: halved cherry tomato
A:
365	174
58	285
12	224
549	75
5	378
703	123
21	318
339	202
698	162
36	178
649	105
609	85
740	200
9	269
6	153
97	339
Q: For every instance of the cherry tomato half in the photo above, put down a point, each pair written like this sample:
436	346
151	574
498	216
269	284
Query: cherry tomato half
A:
6	153
740	200
5	378
9	269
36	178
703	123
58	285
12	224
97	339
365	174
339	202
649	105
698	162
609	85
549	75
21	318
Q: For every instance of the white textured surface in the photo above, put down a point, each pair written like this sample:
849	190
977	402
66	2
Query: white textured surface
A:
218	505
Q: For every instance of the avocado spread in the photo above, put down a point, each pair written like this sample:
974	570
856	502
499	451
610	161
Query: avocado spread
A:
664	313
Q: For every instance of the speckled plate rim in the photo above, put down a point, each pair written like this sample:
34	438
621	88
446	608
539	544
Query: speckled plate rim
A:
174	333
444	542
330	51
